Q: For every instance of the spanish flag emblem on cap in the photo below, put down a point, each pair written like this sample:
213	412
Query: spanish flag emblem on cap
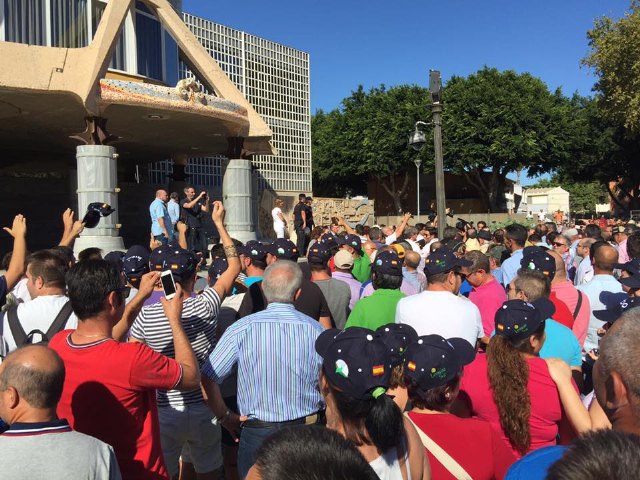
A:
411	366
378	370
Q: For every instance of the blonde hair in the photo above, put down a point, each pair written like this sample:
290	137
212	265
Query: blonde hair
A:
278	202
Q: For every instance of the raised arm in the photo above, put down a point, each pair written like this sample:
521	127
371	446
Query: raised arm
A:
182	235
18	231
131	311
193	202
225	282
403	225
182	347
576	413
343	223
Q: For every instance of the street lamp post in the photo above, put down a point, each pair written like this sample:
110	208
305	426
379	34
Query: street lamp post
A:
418	140
418	162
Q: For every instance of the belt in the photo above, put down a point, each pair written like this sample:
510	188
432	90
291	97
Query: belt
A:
308	420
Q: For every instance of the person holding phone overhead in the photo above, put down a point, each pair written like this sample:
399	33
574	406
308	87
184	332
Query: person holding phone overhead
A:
184	416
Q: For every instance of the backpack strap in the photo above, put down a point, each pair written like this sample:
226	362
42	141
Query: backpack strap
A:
18	333
578	305
60	321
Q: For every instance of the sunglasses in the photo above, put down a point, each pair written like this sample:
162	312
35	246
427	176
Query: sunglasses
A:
558	244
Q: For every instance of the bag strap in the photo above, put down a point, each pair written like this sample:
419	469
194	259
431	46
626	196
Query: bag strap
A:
60	321
18	333
447	461
578	305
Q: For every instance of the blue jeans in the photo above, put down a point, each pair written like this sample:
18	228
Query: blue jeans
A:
250	442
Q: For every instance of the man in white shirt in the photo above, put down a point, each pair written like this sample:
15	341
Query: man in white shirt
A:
439	310
46	285
584	273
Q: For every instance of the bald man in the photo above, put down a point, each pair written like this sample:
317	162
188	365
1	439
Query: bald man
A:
577	302
160	219
411	271
38	445
604	257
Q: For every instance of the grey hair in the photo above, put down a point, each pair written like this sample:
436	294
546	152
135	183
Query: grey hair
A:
480	261
533	283
410	231
281	281
619	350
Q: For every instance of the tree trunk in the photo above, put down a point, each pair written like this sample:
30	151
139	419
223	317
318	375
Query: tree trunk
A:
475	178
396	194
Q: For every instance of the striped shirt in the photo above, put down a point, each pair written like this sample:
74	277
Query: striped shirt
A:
278	367
199	320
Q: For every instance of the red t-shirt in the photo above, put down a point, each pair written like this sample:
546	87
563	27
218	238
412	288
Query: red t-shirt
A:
546	409
473	443
109	393
562	315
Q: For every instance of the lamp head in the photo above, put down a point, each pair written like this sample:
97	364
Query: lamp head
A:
417	139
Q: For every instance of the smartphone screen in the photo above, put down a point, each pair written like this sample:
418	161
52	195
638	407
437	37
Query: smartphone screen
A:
168	285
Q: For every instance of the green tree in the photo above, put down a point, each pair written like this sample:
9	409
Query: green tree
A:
498	122
615	58
367	138
613	118
608	156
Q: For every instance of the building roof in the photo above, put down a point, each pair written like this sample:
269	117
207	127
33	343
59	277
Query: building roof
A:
545	191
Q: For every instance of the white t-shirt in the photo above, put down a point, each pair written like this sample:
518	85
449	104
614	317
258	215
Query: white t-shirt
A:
441	313
38	314
276	218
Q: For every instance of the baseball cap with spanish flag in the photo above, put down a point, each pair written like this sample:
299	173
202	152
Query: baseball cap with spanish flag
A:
431	360
355	361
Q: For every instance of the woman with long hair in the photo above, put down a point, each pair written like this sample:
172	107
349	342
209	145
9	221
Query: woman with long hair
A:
279	223
432	371
354	378
511	386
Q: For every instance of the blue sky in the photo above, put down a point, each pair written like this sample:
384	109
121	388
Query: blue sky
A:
369	43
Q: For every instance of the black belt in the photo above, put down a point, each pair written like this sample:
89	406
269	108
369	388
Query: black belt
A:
312	419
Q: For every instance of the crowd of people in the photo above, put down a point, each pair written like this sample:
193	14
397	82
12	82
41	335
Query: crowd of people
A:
355	353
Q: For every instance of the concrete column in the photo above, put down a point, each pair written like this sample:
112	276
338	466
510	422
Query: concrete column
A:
237	198
97	178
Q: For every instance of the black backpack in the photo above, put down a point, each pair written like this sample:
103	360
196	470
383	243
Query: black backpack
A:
22	338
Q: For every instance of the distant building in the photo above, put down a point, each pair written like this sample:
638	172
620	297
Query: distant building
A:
549	199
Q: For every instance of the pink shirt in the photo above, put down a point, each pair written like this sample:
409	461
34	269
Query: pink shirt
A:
546	410
566	292
488	298
623	256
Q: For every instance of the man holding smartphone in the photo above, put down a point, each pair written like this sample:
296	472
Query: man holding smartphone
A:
184	416
193	210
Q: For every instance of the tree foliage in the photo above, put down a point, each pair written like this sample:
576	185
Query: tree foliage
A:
615	58
499	122
366	137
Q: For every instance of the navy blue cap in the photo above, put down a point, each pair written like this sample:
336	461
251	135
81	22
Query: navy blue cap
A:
537	258
329	239
352	240
182	263
318	254
387	262
517	319
397	336
356	361
432	361
616	303
442	261
115	258
218	267
135	263
253	249
632	267
95	211
283	248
